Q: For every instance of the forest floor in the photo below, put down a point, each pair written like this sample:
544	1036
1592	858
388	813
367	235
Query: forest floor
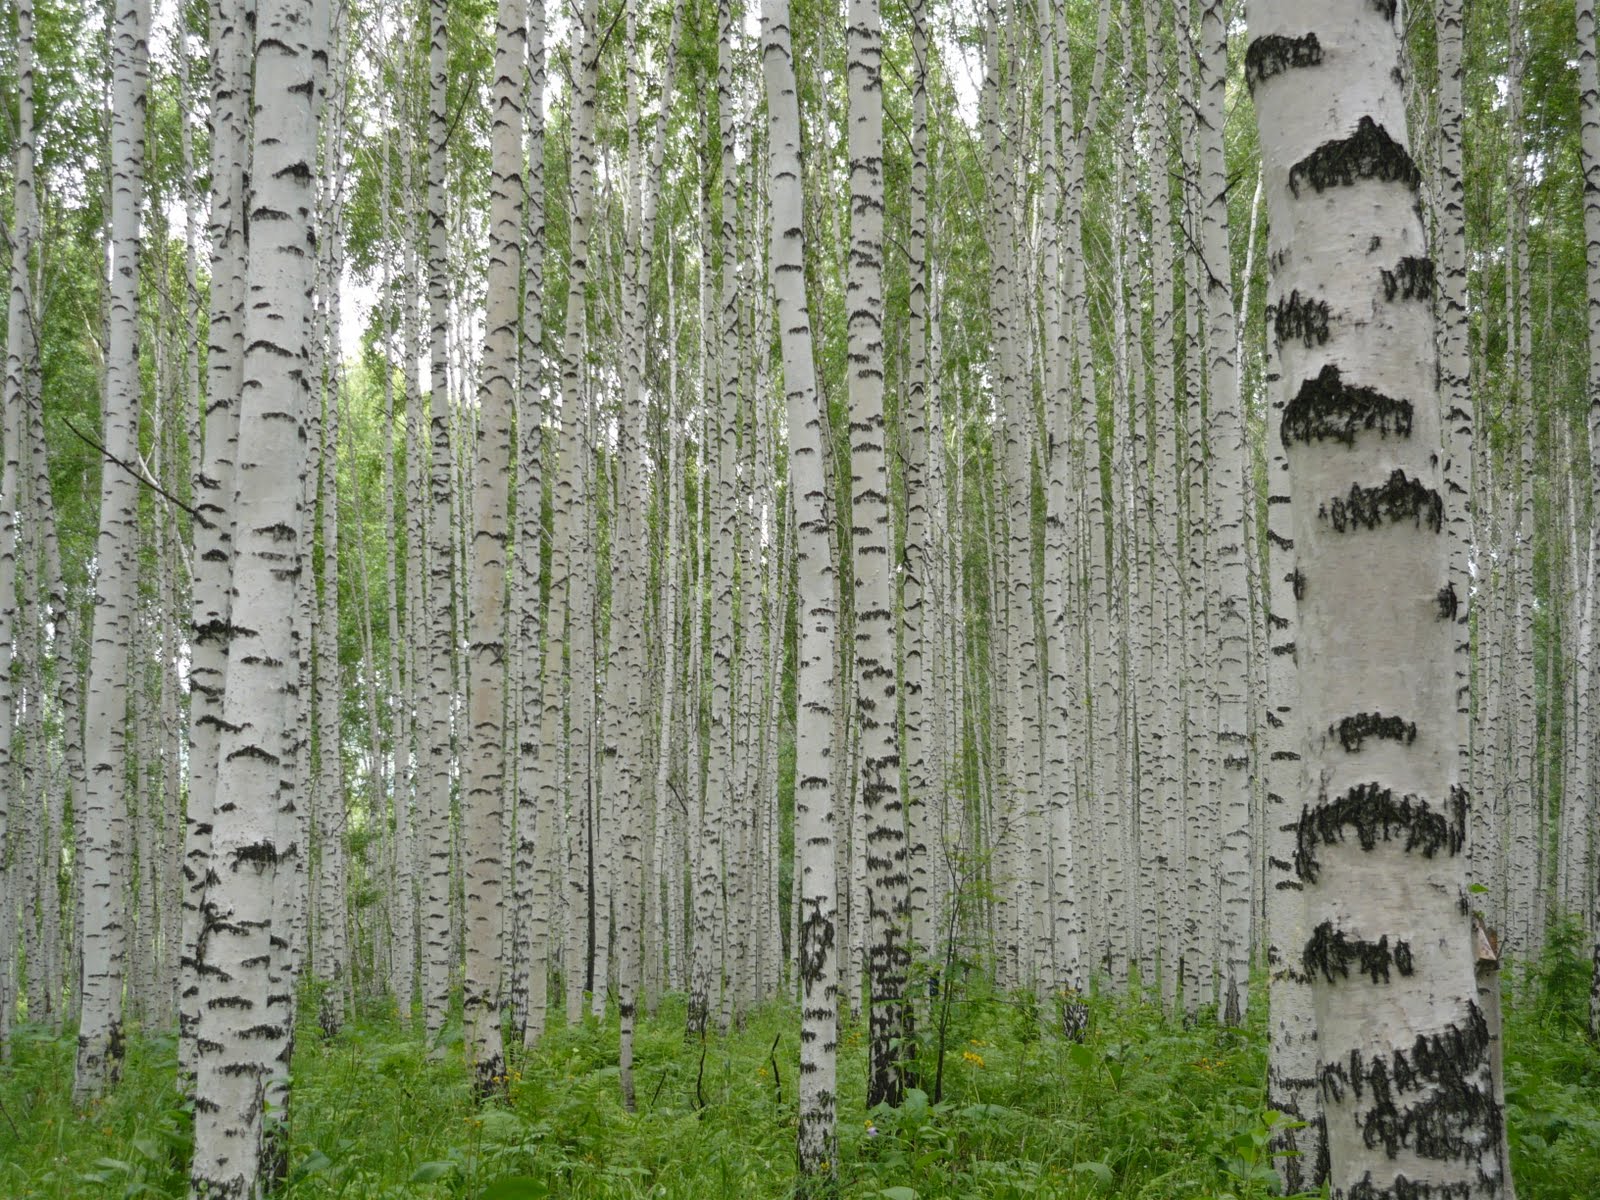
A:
1147	1107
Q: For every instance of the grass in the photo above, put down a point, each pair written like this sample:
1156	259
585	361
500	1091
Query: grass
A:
1147	1108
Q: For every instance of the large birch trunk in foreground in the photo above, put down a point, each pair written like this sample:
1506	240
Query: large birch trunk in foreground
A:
241	1034
1404	1049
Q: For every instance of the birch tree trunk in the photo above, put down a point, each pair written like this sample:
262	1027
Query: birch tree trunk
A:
483	780
1227	445
104	850
1410	1105
536	817
888	885
816	770
240	1031
21	354
569	533
1589	99
437	941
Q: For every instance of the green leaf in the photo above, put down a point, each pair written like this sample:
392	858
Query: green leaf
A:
430	1171
1080	1056
313	1164
515	1187
1101	1172
149	1148
899	1193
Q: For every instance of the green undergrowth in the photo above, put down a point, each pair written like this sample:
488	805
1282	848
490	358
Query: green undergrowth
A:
1147	1107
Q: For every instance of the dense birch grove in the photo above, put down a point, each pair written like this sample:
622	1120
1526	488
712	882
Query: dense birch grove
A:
520	516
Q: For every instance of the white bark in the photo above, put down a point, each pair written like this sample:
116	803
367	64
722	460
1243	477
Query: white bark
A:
104	850
21	353
483	778
1225	434
241	1031
816	771
434	784
1379	846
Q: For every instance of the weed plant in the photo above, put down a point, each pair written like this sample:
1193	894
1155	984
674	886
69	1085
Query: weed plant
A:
1147	1107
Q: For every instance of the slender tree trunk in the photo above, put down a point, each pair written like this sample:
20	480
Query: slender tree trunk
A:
884	847
437	941
816	768
571	582
1589	97
536	816
21	353
483	780
104	852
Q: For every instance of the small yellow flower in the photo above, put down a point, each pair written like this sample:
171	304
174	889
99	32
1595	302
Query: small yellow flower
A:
975	1059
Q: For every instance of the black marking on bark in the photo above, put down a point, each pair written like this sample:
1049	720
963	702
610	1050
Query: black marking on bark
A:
1327	407
1449	603
1353	732
1452	1110
1374	813
1401	498
1386	7
1297	582
1411	279
1409	1189
1300	317
1368	153
1274	54
1332	953
816	943
262	854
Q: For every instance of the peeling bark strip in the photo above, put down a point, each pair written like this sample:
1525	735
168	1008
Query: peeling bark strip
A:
1300	317
1453	1109
1327	407
1332	953
1374	813
1273	54
1411	279
1368	153
1400	499
1353	732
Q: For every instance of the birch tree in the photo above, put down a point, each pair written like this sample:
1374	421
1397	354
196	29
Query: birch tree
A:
240	1031
816	765
483	780
884	846
104	849
1410	1104
1588	691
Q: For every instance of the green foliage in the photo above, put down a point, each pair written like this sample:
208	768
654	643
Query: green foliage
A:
1146	1107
